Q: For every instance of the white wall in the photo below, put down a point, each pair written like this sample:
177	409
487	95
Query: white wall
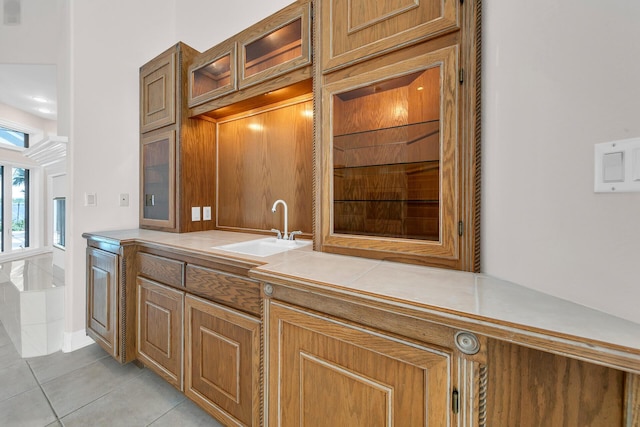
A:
109	41
35	40
558	77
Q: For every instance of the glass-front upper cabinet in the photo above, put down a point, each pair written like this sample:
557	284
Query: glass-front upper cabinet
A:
389	161
213	74
279	44
157	204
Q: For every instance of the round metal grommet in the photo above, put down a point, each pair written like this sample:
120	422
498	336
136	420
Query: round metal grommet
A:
268	290
467	342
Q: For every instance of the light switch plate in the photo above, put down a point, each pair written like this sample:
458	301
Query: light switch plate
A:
195	213
124	199
206	213
90	199
617	166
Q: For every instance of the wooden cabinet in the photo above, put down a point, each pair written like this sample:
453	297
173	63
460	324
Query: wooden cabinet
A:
158	179
160	328
222	367
355	30
110	306
199	327
271	57
177	153
213	74
397	143
529	388
328	371
102	299
277	45
158	92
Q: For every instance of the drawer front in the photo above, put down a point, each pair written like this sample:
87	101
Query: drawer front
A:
163	270
234	291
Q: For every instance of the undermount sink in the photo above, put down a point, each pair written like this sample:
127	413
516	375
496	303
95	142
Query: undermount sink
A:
264	247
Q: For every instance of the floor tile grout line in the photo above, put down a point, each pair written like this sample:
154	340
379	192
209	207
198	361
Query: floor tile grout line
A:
43	393
97	398
166	412
73	370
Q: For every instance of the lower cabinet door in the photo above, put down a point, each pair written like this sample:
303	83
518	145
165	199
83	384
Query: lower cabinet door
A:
102	298
160	326
222	368
323	372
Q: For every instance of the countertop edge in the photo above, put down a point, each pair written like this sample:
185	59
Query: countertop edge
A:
593	351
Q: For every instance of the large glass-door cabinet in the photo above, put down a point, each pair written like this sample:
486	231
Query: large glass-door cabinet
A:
391	160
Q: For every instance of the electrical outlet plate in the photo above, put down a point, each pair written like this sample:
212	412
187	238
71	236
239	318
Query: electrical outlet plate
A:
195	213
206	213
617	166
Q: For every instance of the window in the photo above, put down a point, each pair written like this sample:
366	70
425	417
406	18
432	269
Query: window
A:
20	208
59	225
13	137
14	216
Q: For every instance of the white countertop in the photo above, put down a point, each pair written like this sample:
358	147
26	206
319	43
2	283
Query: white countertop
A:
477	299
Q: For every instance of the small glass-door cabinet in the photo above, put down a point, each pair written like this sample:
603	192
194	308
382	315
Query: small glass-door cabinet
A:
158	179
389	161
213	74
280	44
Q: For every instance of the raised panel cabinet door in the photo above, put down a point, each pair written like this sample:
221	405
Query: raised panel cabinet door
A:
323	372
222	368
160	328
355	30
102	297
158	92
158	180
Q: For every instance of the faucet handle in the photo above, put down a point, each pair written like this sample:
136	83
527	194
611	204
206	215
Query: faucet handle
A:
277	231
292	235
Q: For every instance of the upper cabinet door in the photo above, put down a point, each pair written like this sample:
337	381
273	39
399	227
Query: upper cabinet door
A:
276	45
213	74
158	180
390	161
354	30
158	92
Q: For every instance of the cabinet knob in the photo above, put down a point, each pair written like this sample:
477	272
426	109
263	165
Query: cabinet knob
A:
467	342
268	290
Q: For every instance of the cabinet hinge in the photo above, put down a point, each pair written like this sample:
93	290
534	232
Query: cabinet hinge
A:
455	401
460	228
461	75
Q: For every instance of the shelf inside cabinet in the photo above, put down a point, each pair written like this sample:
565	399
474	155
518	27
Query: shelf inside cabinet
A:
416	142
277	47
408	219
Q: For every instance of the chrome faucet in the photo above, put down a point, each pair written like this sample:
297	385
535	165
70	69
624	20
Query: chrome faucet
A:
285	236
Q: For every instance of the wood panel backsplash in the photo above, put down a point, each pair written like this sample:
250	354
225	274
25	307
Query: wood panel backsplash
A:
264	156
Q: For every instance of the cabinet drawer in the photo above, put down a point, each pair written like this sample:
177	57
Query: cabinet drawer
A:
163	270
234	291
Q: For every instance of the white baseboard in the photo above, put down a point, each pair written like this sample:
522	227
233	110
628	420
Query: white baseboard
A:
75	340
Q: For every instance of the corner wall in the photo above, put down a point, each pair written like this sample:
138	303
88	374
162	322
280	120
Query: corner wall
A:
559	77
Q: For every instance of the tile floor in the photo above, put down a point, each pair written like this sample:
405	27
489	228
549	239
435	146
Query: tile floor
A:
87	388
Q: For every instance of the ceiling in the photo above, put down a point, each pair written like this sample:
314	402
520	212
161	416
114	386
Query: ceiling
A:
30	88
